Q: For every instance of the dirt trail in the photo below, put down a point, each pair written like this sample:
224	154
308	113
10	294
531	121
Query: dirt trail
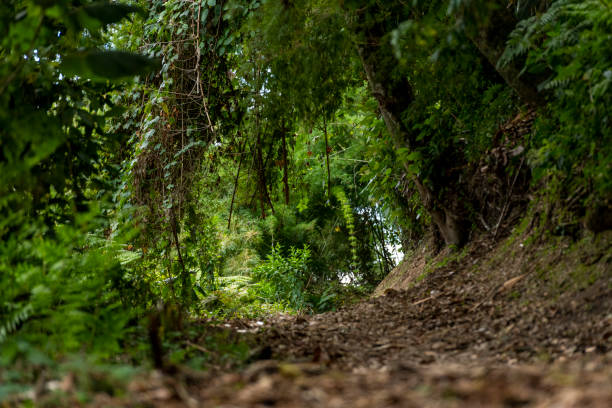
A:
441	352
463	336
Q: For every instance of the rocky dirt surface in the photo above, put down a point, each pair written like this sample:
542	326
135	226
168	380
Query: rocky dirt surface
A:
483	330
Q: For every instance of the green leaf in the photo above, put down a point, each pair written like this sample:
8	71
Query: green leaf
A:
105	13
103	65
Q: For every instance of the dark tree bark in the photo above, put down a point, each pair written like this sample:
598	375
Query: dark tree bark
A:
489	24
261	166
393	97
489	33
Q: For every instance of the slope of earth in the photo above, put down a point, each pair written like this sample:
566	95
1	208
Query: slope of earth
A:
513	324
498	306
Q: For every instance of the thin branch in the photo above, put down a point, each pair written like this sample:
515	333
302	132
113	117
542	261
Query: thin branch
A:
327	159
507	203
229	219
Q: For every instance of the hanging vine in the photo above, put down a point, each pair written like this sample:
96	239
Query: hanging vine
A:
181	114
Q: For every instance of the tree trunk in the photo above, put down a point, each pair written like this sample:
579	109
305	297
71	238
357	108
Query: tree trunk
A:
231	210
490	35
261	177
392	101
452	226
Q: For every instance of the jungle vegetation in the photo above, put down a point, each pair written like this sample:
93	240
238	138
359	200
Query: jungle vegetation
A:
229	158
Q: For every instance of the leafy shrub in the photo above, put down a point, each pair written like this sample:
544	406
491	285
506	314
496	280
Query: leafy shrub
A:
62	293
284	279
60	278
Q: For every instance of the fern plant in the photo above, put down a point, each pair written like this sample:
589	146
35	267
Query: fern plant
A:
571	42
60	296
349	219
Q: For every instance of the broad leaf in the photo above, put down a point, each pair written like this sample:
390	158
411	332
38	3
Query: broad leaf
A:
108	13
102	65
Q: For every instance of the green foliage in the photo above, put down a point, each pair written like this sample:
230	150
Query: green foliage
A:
285	279
62	292
62	287
203	247
103	65
305	51
570	44
52	127
239	297
251	131
177	118
458	100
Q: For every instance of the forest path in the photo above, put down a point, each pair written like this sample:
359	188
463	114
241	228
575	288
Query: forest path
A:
457	339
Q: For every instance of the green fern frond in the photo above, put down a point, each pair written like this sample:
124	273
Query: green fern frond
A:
519	42
13	321
553	84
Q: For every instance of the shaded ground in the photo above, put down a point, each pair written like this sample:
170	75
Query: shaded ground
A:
269	383
491	327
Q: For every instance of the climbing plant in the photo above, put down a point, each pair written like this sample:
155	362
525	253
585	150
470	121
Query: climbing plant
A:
177	117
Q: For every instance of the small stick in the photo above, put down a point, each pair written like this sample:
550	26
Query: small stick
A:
197	347
422	301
